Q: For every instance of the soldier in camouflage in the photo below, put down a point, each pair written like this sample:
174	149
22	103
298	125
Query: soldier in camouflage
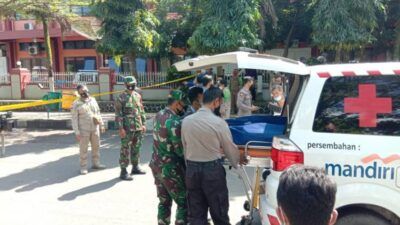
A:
130	119
167	162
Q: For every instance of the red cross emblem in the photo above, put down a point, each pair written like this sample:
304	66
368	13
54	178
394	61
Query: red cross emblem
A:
367	105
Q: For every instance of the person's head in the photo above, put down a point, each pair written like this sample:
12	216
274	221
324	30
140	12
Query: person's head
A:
277	93
207	81
195	96
223	84
277	79
210	71
175	101
130	83
212	98
247	82
198	80
306	196
235	72
83	91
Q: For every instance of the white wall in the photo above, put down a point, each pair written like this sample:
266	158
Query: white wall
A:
5	92
34	92
148	94
294	53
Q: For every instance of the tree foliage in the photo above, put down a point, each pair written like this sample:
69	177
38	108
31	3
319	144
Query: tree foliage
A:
344	24
128	28
177	23
226	25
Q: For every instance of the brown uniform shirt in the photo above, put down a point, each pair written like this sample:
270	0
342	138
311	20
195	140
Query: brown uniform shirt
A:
244	102
206	137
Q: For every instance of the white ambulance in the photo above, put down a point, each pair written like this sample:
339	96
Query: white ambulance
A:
344	118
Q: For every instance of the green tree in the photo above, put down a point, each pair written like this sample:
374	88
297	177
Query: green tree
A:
45	11
173	30
226	25
291	20
344	25
127	28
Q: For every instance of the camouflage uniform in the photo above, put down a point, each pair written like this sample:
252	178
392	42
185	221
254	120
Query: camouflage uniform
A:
168	167
130	115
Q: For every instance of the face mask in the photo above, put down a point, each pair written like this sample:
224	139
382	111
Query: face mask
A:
84	95
277	99
180	112
130	87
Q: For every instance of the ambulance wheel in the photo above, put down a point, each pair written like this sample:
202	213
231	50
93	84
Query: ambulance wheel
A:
363	217
255	220
246	206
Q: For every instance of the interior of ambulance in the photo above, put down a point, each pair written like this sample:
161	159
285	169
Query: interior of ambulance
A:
278	76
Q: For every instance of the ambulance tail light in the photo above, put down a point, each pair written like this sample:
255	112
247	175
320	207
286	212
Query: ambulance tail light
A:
285	153
273	220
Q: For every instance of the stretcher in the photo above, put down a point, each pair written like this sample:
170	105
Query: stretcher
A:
258	158
253	136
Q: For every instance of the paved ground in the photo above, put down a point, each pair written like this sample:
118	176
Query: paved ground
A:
39	184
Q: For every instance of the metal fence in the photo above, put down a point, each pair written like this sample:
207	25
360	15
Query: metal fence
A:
146	79
65	80
5	79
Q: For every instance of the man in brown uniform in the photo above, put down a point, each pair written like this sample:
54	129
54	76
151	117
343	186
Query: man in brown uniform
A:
235	84
87	123
206	139
244	98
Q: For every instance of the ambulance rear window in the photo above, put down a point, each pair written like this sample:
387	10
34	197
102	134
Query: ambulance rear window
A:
360	105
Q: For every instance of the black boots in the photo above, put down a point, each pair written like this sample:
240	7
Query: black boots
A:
137	171
124	175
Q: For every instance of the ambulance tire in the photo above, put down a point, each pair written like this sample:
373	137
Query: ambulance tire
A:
362	217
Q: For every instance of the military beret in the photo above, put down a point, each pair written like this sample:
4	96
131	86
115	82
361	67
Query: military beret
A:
176	95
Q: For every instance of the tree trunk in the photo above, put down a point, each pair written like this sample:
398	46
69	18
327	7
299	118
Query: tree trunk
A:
396	53
288	40
49	54
338	53
132	63
290	35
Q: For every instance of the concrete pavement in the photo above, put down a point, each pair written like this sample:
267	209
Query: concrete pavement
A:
61	120
40	184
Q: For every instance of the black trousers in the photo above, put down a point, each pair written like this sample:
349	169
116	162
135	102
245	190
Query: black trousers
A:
206	188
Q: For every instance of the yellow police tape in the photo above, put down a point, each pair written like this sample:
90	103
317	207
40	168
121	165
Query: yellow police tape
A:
48	102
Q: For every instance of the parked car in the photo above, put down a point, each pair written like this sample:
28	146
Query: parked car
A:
86	76
344	118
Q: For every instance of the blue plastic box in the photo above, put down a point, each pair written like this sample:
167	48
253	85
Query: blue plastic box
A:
256	128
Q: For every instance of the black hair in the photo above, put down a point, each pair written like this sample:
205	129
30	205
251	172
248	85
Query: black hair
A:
211	94
224	82
194	93
80	86
306	195
247	79
170	101
199	78
206	80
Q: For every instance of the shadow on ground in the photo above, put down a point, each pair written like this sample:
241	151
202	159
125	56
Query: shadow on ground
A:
89	189
65	168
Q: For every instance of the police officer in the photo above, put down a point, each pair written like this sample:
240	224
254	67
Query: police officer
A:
130	119
206	139
244	98
167	162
